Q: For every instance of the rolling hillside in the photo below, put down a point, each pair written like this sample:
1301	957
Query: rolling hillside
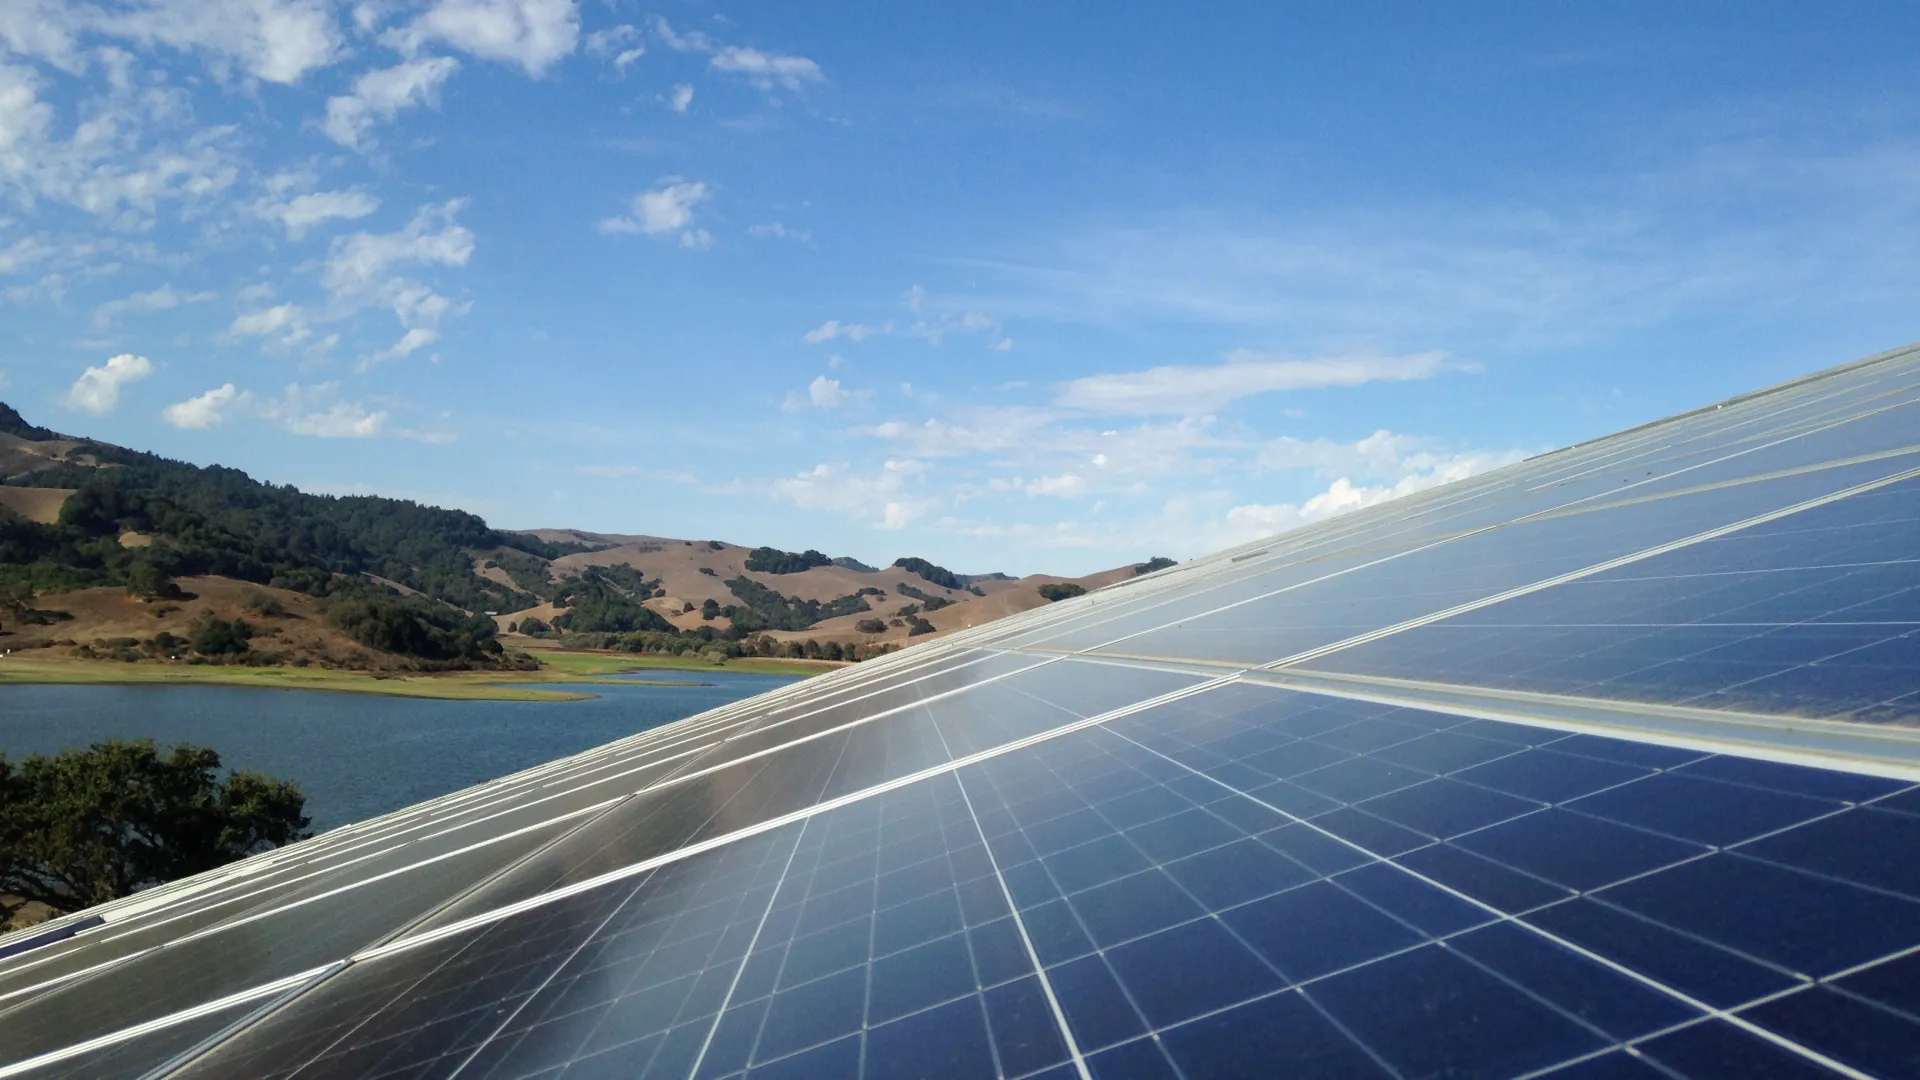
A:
83	524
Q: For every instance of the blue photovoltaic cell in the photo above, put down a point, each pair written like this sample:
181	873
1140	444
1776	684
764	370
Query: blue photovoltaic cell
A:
1537	797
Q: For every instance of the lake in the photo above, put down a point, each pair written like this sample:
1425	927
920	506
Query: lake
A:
358	755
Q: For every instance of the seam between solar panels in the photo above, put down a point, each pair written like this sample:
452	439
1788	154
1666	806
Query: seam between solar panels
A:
1589	571
161	1023
1020	924
1614	718
1647	980
598	808
690	850
244	919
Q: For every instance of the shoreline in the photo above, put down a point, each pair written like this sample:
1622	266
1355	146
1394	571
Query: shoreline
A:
558	666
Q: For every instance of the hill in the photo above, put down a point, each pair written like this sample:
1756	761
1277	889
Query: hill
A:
121	552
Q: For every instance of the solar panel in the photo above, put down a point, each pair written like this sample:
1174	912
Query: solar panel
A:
1603	765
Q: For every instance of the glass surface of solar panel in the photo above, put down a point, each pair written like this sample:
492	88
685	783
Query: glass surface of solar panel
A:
1530	798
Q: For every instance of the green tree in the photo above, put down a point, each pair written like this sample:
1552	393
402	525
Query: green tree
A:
214	636
147	580
1062	591
86	826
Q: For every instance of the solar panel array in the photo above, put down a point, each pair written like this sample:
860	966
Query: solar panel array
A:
1603	765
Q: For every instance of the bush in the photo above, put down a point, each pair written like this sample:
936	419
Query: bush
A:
214	636
260	603
870	626
1158	562
1061	591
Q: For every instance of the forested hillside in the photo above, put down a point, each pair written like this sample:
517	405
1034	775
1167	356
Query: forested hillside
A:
86	519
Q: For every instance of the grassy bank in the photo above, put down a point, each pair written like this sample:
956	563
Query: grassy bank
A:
487	686
578	662
559	666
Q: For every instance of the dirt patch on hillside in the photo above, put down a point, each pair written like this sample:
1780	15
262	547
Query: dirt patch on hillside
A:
35	504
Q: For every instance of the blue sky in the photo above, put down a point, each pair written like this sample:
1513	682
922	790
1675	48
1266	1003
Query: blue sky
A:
1009	286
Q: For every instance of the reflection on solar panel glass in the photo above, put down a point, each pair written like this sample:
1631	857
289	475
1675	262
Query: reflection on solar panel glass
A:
1603	765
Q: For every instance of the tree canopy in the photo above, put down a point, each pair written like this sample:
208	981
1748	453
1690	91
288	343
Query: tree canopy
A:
767	560
939	575
85	826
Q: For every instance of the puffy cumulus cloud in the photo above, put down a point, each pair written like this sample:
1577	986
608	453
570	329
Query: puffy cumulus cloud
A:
823	393
883	497
621	45
1420	471
309	410
277	41
767	70
208	410
381	95
97	390
161	299
1188	390
299	213
663	211
534	34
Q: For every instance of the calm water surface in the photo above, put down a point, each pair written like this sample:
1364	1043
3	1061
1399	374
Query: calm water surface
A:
357	755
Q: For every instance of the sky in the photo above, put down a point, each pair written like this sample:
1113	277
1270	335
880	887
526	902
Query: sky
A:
1013	287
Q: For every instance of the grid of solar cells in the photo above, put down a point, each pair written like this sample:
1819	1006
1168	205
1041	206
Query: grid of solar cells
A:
1253	879
1816	614
1240	880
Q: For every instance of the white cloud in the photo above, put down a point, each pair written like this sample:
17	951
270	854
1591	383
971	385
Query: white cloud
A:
690	41
1063	485
1188	390
206	411
620	44
381	94
665	210
130	148
417	338
359	268
309	410
303	212
97	390
342	420
773	230
276	40
767	70
284	326
823	393
532	33
682	98
884	497
161	299
833	329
